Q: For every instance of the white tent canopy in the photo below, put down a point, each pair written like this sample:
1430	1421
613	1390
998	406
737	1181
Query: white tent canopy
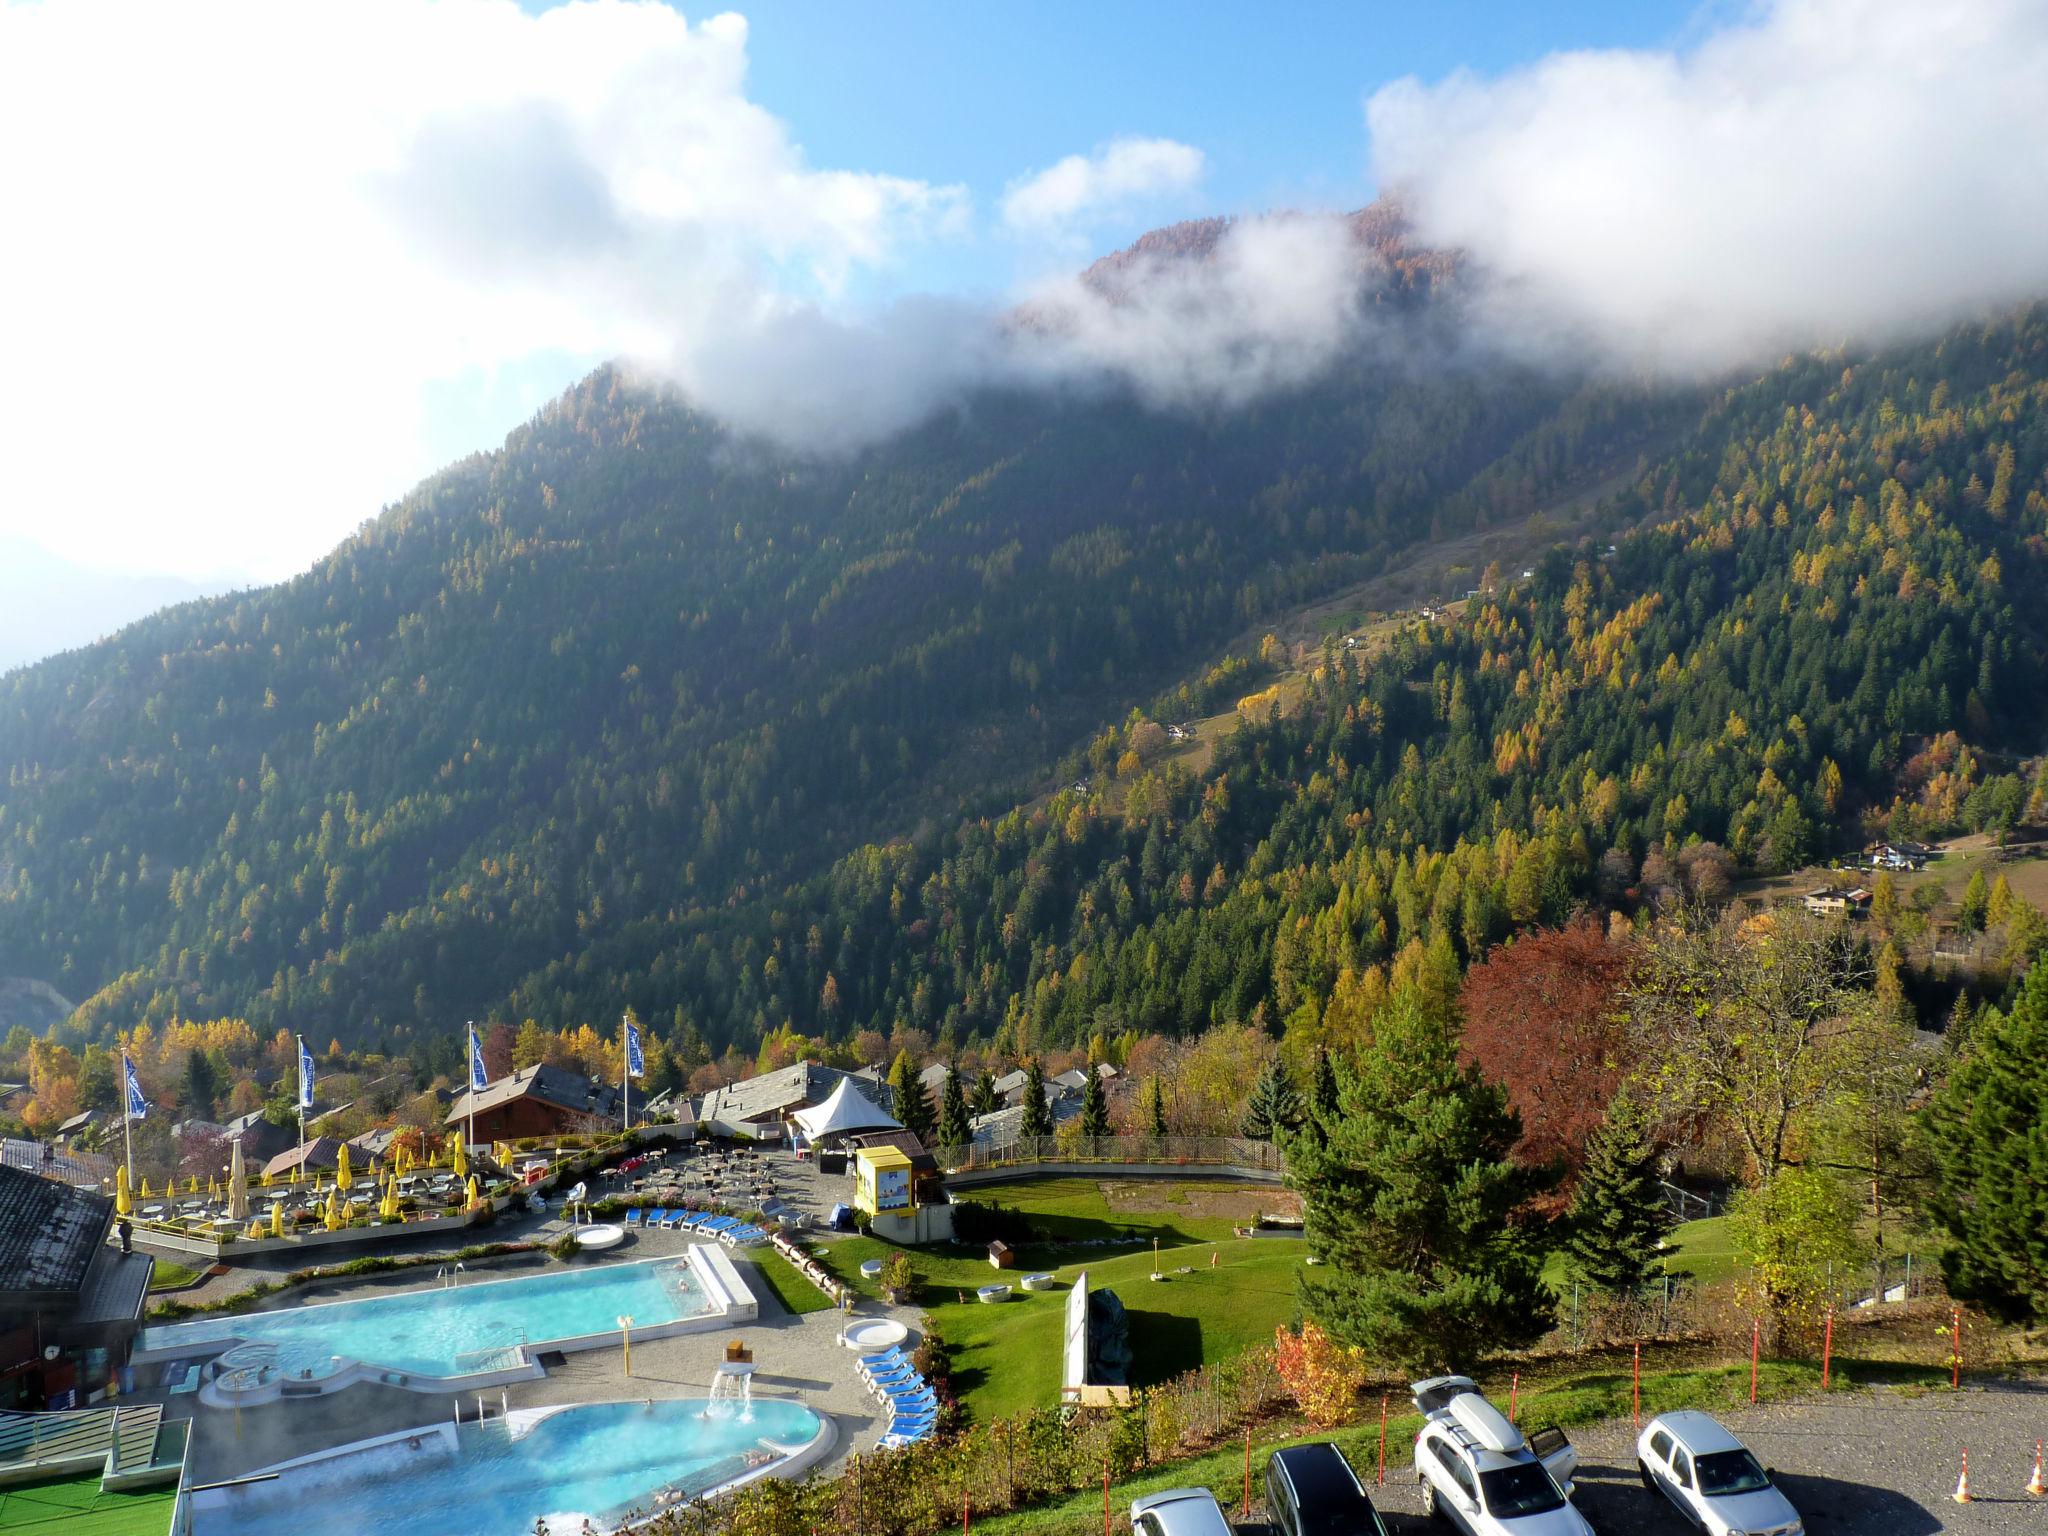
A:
844	1113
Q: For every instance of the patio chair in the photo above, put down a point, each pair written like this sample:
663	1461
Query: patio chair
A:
887	1359
896	1442
892	1375
633	1216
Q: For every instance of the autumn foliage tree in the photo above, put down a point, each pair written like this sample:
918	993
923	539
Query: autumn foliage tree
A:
1543	1017
1323	1375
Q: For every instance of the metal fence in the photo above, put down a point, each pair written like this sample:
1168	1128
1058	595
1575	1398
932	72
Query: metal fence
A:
1167	1151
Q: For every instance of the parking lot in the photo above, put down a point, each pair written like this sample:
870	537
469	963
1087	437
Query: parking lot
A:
1864	1464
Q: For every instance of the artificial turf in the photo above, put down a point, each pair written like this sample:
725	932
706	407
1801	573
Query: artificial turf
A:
76	1506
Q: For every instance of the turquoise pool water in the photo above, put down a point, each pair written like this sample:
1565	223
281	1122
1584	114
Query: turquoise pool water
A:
600	1461
469	1327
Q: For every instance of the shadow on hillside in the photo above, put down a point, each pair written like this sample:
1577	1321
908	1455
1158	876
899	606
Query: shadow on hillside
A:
1163	1345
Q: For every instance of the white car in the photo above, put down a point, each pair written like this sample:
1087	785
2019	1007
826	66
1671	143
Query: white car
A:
1480	1473
1178	1512
1711	1478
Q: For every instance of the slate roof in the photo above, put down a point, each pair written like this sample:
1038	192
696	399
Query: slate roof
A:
1012	1082
772	1093
49	1233
556	1086
321	1152
1073	1078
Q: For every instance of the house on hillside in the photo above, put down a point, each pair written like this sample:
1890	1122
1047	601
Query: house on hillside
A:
70	1301
1833	903
1898	855
1010	1087
539	1100
260	1140
320	1155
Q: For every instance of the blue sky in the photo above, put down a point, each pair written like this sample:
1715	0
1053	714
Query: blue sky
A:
1273	94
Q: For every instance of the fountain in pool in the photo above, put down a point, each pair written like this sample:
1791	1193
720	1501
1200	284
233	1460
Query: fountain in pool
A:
732	1388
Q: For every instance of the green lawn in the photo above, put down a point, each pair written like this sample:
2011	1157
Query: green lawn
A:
795	1293
75	1506
166	1274
1006	1357
1701	1248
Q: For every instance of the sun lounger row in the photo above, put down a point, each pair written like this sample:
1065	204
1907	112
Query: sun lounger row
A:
727	1229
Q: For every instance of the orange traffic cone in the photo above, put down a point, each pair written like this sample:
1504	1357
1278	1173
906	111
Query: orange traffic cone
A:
1962	1493
2037	1487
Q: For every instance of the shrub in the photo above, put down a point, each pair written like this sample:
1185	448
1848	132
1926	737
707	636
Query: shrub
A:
898	1278
1323	1376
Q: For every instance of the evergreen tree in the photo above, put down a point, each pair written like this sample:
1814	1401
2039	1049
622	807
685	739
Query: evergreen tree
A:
1322	1098
1094	1106
1987	1134
1037	1113
1412	1203
953	1127
1155	1109
1274	1107
983	1101
913	1108
1976	904
1617	1214
201	1083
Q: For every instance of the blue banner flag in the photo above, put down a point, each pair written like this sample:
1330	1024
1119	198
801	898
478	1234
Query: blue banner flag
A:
305	1075
138	1106
636	1063
479	1079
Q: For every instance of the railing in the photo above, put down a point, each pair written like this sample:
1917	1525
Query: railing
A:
58	1436
1164	1151
497	1356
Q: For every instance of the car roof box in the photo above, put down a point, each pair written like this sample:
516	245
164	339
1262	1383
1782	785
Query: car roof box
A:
1437	1391
1485	1423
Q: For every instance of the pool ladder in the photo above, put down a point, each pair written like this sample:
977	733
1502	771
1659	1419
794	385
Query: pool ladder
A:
450	1274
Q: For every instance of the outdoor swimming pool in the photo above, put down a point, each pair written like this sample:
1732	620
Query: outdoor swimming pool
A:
599	1460
475	1329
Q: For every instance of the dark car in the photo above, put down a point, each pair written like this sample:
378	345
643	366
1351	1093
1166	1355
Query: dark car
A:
1312	1491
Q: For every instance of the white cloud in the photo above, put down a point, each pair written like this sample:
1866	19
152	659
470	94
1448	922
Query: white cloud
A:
246	239
1117	176
1272	306
1823	171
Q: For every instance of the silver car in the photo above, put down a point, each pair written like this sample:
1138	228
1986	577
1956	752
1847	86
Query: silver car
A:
1711	1478
1178	1512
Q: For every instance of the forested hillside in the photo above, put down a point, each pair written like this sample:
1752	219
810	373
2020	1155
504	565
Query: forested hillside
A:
610	690
633	713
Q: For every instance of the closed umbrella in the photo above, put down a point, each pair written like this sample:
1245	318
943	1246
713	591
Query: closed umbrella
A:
475	1194
461	1161
277	1218
124	1203
342	1174
334	1212
238	1186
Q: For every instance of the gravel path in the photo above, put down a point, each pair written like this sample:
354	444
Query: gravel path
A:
1878	1463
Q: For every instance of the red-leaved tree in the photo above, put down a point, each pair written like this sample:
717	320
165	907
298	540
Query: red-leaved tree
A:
1542	1017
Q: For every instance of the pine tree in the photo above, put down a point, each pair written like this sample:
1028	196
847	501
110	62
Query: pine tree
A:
1322	1097
1411	1199
1274	1106
1617	1215
1037	1113
201	1083
1976	904
983	1101
913	1108
953	1127
1094	1106
1987	1133
1155	1110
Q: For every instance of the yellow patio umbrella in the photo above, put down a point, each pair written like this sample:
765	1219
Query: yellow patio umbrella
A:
461	1163
192	1185
255	1229
475	1194
277	1218
124	1203
333	1212
298	1173
145	1187
212	1186
390	1206
343	1174
266	1178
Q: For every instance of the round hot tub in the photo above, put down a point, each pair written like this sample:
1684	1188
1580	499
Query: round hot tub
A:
872	1335
872	1268
603	1235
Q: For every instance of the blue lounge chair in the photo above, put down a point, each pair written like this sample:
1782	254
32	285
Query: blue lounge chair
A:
716	1223
895	1440
902	1382
888	1370
893	1355
634	1216
904	1391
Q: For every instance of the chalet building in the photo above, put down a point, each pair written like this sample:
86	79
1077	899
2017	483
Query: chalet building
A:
535	1101
70	1301
1832	903
320	1155
765	1108
260	1140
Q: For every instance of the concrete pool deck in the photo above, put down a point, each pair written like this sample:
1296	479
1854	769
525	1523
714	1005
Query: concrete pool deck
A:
795	1357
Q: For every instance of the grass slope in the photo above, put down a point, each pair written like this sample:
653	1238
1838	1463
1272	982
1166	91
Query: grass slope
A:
1007	1357
779	1276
